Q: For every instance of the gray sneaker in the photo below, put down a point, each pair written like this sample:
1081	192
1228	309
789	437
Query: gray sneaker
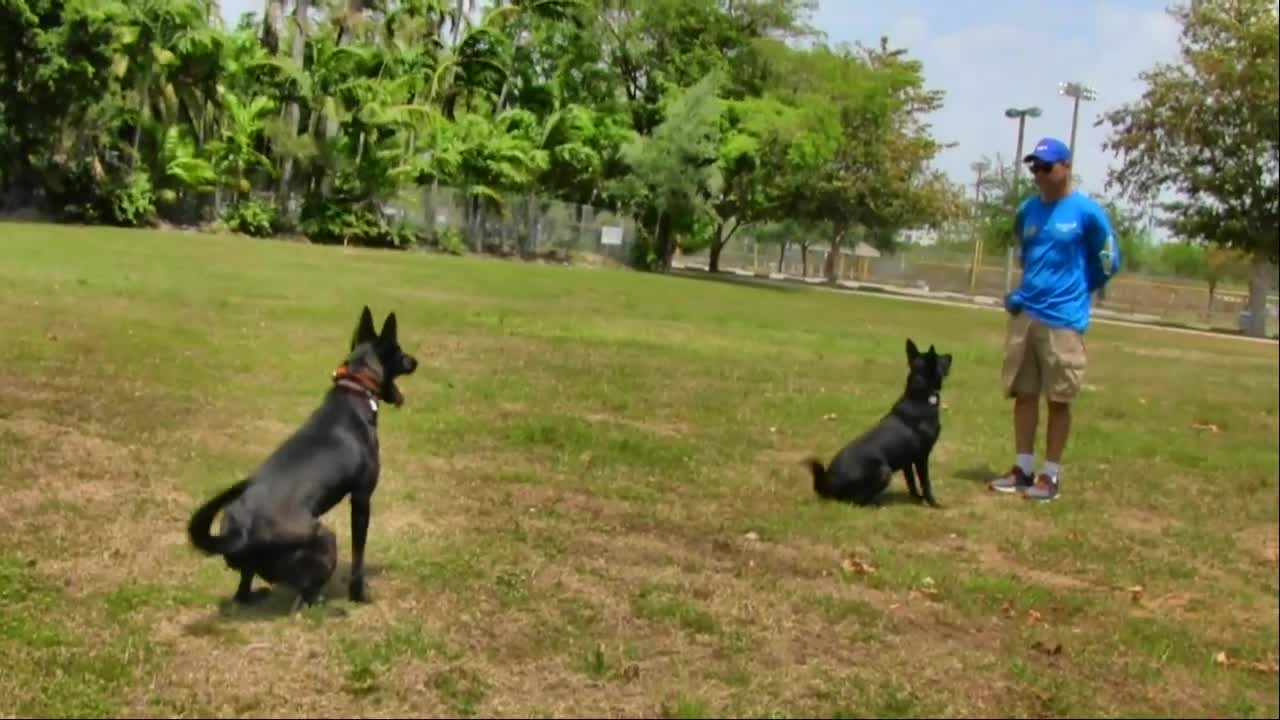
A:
1045	489
1014	481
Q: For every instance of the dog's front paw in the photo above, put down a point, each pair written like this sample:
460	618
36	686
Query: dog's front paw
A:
358	591
304	600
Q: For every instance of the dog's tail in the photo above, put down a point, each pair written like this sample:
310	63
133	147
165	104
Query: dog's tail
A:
821	485
198	530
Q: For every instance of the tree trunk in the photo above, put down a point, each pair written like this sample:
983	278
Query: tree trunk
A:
144	112
664	246
530	245
431	209
668	246
19	193
292	112
713	264
782	254
833	257
459	14
657	233
273	26
719	242
355	9
1258	286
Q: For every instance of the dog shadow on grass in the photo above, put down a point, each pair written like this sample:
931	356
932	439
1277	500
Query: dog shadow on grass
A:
891	498
886	500
276	602
978	474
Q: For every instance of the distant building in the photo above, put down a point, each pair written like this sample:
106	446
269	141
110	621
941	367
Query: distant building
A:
918	236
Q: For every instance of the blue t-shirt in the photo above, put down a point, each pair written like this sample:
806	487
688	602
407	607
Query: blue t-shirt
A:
1068	251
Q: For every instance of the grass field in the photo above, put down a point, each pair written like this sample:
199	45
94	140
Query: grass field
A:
592	500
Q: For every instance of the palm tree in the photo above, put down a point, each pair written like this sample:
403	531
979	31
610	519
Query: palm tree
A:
234	153
158	40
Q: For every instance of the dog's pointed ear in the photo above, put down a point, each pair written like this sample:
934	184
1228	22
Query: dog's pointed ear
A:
944	364
913	352
364	329
388	333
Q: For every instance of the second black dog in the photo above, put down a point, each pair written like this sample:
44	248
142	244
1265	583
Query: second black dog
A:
271	521
902	440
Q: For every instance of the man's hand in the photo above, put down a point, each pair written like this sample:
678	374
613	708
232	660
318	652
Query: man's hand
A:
1012	304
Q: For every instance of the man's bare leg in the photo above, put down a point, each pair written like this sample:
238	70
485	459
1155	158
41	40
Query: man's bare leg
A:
1046	485
1059	431
1026	417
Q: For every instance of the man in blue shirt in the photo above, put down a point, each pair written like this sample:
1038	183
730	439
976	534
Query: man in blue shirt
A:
1068	251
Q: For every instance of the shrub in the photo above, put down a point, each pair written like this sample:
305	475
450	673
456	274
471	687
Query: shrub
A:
253	217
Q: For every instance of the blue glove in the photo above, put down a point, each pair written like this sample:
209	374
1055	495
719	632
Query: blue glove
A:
1012	303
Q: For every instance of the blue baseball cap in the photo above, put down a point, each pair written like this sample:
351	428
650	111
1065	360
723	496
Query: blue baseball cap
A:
1049	150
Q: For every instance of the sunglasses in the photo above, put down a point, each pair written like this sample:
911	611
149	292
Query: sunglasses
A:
1037	168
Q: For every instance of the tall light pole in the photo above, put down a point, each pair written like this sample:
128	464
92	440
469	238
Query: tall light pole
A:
979	167
1021	115
1077	91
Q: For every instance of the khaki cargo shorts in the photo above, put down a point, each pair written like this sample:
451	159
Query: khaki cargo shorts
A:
1040	360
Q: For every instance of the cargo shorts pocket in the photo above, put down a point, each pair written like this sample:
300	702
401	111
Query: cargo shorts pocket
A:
1067	361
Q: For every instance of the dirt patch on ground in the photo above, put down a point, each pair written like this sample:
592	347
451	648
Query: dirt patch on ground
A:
1142	522
225	667
55	465
752	602
1261	543
990	558
662	428
251	438
666	428
91	511
581	506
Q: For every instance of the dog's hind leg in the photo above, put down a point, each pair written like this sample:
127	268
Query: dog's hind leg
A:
324	560
911	481
311	567
878	478
245	595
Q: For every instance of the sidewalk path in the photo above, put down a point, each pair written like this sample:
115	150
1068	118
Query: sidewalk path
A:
978	302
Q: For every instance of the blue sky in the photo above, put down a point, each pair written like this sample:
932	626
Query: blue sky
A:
987	56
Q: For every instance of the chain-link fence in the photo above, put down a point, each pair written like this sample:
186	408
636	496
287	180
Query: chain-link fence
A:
1163	297
529	226
532	226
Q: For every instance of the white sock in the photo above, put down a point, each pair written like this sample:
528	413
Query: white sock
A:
1027	463
1052	469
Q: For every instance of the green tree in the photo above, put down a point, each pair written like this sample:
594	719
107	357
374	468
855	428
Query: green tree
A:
699	117
675	172
752	132
1223	263
861	157
1207	129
